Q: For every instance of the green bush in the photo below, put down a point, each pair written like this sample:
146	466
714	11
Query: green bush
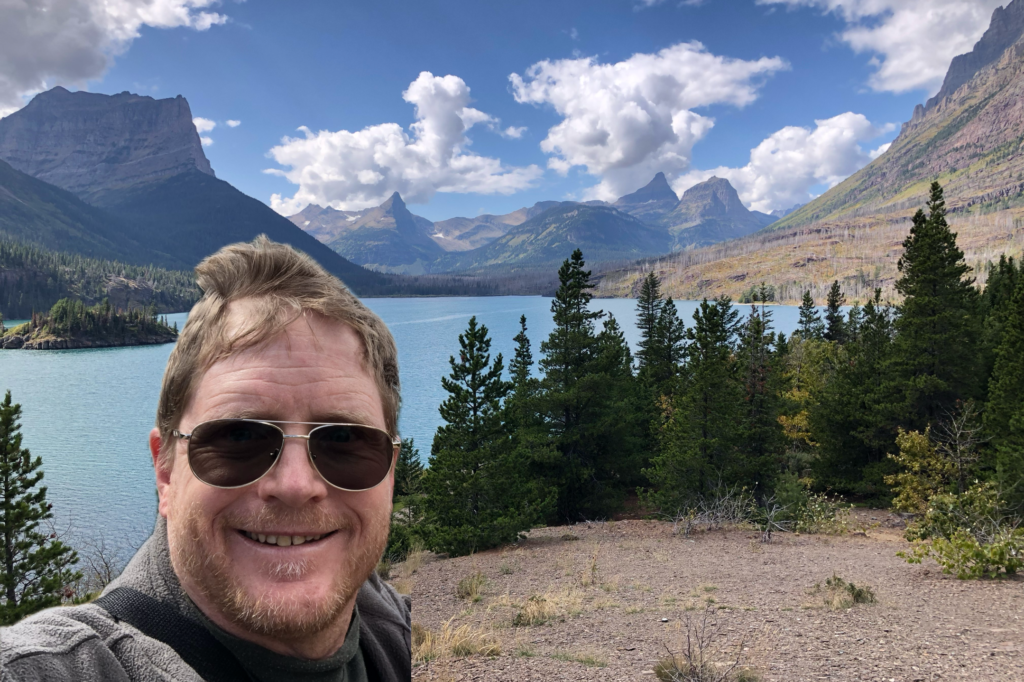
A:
968	535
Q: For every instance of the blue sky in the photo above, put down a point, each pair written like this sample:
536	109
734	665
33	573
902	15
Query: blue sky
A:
625	91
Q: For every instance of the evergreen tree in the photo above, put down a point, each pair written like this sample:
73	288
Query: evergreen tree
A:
994	309
835	326
577	407
761	374
35	568
702	430
936	342
648	314
408	470
810	327
1004	418
671	335
478	495
855	420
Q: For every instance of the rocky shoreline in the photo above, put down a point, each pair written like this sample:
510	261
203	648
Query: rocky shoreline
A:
13	342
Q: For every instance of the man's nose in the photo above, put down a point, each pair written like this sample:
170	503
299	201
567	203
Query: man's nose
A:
293	480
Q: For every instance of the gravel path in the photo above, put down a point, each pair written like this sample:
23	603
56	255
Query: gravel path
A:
620	596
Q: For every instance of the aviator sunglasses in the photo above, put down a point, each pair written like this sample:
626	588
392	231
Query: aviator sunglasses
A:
231	453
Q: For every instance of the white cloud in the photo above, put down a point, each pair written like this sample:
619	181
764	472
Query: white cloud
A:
626	121
69	42
786	165
513	132
913	40
232	123
354	170
206	140
203	125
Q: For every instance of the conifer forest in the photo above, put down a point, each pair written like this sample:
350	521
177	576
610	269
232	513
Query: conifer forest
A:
914	405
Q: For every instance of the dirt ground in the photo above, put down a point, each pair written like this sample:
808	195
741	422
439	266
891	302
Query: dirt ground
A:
617	597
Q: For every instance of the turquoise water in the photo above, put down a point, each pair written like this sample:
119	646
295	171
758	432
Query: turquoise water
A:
87	412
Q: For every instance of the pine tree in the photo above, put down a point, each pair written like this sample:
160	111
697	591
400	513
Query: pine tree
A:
1004	417
701	432
35	567
994	309
577	408
408	470
835	326
810	326
936	342
478	495
648	314
761	375
855	420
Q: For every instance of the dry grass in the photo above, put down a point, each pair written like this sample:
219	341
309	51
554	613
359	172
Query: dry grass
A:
451	642
471	587
837	594
703	657
861	253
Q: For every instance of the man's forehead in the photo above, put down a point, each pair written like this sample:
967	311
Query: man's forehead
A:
248	317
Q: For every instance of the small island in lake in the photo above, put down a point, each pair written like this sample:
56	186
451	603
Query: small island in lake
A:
72	324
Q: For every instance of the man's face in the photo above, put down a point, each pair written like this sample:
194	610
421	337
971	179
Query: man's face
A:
310	373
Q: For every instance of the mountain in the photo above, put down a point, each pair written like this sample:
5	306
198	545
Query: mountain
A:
464	234
651	202
387	238
783	212
969	137
545	240
710	212
90	143
140	161
38	213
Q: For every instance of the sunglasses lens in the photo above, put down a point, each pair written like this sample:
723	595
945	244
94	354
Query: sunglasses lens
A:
233	452
351	457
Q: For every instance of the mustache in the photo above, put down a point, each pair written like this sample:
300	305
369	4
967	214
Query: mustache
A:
315	520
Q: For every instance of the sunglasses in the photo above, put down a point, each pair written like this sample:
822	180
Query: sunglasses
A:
231	453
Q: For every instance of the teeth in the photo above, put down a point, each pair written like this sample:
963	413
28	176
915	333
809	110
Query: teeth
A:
282	540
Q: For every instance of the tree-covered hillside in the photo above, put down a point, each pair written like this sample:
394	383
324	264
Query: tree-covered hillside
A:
33	279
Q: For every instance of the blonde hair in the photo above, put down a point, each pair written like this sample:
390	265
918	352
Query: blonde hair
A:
281	284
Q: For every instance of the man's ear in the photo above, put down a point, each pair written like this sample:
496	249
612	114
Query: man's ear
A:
163	471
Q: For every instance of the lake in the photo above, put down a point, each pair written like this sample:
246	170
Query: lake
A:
87	412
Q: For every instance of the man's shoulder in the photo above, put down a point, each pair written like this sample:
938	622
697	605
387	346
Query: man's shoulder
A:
83	643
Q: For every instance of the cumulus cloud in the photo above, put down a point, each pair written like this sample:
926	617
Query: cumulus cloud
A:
231	123
203	125
913	41
354	170
69	42
206	140
786	165
626	121
513	132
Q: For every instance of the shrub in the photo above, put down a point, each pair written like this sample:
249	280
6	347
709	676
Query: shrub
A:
969	535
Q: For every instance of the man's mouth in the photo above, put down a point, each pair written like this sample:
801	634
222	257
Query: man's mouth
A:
283	540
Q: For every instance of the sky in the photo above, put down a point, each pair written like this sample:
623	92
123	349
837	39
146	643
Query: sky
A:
470	107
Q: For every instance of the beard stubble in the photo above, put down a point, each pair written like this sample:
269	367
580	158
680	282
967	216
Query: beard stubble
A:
211	571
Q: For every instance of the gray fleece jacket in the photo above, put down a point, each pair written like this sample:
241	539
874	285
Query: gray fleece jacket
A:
87	643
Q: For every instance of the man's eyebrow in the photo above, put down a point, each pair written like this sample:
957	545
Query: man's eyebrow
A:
332	417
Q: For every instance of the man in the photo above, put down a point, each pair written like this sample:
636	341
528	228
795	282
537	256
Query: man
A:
274	453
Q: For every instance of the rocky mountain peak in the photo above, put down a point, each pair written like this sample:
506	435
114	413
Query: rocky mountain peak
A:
89	143
651	201
1005	29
